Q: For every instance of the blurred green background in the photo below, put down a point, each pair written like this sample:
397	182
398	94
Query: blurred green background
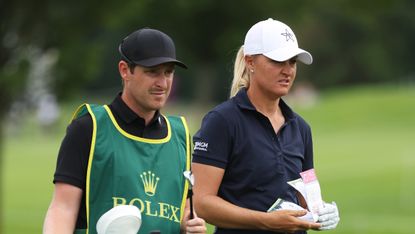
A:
364	158
358	96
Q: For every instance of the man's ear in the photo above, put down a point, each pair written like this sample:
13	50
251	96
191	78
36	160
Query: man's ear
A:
124	69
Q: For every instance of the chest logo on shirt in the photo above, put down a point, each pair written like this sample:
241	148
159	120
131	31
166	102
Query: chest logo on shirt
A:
150	182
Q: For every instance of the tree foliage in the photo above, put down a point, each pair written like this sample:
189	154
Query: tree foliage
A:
352	42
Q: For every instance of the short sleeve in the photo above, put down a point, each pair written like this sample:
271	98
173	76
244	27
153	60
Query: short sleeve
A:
73	154
213	143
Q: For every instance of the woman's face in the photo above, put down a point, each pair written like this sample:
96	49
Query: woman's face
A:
273	79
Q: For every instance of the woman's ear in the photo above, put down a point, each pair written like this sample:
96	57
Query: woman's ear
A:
249	61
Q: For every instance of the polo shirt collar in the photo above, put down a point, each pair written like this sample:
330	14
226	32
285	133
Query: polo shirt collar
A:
242	100
128	115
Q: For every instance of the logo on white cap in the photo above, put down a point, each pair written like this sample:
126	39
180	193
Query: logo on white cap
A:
288	35
274	40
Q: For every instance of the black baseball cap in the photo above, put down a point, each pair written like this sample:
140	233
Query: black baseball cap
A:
148	47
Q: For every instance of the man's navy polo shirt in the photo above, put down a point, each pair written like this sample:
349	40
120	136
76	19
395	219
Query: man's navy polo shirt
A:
257	161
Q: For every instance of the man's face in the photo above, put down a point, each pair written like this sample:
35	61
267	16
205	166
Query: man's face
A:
146	89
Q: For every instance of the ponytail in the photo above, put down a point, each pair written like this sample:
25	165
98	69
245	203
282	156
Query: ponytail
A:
240	73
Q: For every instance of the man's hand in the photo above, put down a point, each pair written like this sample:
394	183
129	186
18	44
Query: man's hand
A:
196	225
328	216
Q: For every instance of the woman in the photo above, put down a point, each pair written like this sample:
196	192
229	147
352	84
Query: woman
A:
250	146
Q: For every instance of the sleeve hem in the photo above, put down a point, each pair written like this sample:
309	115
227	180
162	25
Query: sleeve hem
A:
208	161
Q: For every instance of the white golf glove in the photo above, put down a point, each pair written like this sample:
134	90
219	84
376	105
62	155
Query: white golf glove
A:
328	216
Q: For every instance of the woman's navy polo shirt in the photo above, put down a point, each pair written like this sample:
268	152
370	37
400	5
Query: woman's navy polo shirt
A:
257	161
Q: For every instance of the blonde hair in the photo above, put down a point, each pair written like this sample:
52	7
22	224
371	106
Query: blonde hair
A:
240	73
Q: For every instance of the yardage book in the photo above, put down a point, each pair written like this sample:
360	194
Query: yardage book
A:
308	186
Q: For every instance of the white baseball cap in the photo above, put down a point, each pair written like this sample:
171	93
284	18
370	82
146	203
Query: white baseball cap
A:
124	219
274	40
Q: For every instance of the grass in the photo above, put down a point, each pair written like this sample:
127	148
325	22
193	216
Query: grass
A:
364	158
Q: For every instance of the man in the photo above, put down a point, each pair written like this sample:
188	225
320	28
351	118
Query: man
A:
127	153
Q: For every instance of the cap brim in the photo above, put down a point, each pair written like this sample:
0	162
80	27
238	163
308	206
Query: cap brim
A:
120	219
285	54
159	60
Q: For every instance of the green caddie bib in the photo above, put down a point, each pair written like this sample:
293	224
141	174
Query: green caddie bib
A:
124	169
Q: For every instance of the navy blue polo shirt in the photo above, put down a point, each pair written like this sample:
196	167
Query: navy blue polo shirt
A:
257	161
